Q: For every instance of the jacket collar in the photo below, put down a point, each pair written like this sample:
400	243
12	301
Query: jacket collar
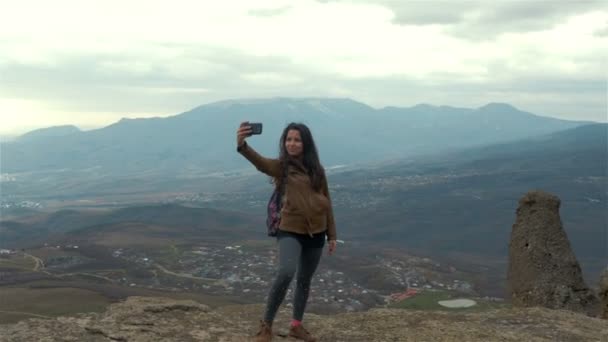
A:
296	163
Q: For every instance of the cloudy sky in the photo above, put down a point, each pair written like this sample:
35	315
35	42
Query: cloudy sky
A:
90	63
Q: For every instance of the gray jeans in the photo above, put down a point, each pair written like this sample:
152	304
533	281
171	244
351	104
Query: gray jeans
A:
291	256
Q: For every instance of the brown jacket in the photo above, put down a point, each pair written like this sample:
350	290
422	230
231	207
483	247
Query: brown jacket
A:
304	210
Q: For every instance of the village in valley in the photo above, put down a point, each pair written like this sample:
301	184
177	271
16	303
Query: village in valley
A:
246	271
237	270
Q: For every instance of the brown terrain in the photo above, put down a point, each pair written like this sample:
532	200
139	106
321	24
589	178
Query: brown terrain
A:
546	306
162	319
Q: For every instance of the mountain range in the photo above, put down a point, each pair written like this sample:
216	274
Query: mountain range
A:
202	140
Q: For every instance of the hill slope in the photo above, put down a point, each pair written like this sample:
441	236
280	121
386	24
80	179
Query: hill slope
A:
465	202
171	221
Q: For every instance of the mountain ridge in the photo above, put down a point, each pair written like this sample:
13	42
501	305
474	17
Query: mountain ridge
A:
202	140
48	132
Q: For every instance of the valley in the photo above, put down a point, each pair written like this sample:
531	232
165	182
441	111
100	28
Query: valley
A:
410	229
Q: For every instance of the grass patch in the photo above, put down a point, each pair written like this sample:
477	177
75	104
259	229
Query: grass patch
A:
167	255
52	298
18	262
428	300
425	300
20	303
52	252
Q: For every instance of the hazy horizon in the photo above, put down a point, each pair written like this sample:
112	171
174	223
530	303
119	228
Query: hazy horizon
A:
7	136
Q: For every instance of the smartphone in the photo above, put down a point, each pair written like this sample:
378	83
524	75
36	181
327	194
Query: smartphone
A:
256	128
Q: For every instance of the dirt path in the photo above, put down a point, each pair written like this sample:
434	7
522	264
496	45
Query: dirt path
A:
85	274
38	263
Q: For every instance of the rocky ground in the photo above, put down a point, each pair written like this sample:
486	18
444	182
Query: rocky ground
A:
160	319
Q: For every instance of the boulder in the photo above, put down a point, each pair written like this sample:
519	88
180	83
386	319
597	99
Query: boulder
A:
543	270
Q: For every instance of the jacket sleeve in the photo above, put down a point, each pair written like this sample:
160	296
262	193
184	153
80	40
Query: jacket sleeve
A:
271	167
331	224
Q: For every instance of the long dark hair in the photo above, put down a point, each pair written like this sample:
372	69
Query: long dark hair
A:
310	156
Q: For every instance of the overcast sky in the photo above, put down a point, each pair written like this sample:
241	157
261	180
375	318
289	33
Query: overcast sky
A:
90	63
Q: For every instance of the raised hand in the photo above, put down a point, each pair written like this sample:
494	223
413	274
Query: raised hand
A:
242	133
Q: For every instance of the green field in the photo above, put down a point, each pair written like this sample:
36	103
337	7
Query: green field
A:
51	298
428	300
20	303
18	262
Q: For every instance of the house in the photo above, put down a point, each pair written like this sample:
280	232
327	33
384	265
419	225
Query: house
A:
399	296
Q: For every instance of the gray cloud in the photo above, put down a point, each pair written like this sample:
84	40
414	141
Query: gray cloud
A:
523	16
480	20
82	84
271	12
602	32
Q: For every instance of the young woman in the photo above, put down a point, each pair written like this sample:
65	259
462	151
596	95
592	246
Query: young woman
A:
306	219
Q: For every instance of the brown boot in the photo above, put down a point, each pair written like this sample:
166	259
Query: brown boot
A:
301	334
265	333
